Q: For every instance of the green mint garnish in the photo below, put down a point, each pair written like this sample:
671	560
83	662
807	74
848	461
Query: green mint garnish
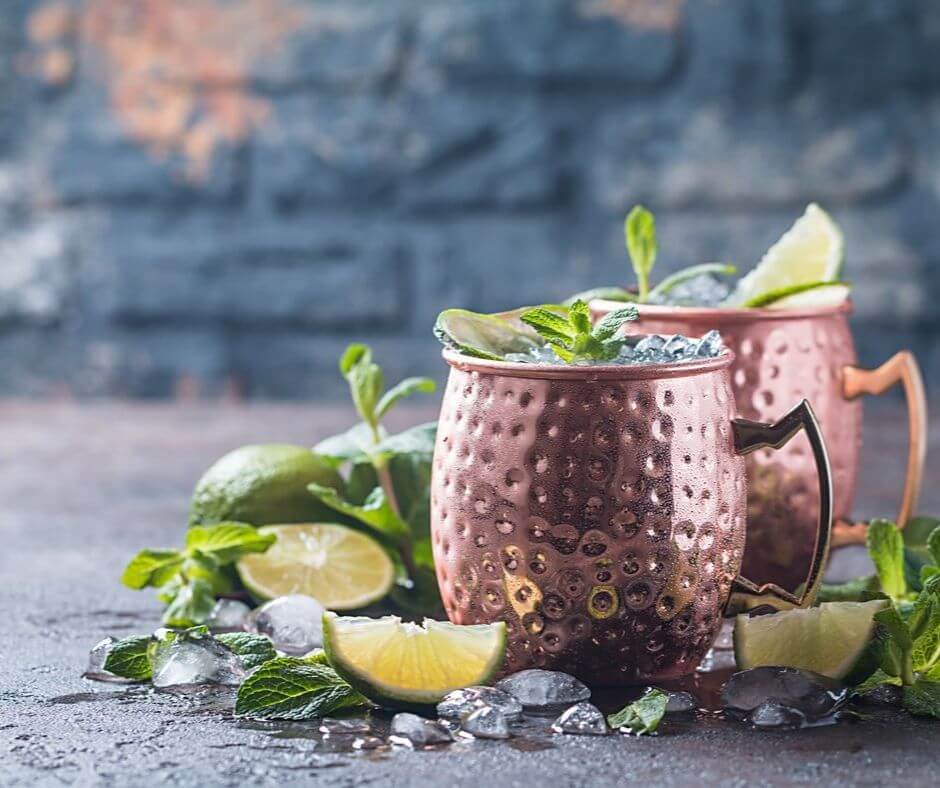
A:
128	658
571	335
640	232
886	548
291	688
387	489
252	650
641	716
908	636
189	579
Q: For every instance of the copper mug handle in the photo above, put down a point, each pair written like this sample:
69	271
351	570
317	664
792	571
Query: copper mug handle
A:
749	436
900	368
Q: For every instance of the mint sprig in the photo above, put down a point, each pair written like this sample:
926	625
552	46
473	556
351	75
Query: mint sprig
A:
639	231
387	488
571	335
189	580
292	688
642	716
908	641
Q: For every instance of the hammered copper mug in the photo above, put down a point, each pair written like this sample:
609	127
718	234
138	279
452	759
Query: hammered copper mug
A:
600	511
783	356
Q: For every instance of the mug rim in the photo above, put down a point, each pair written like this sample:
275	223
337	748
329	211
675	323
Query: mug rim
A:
592	373
719	315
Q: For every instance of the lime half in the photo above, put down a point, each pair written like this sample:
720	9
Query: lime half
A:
810	251
341	568
397	663
832	639
810	296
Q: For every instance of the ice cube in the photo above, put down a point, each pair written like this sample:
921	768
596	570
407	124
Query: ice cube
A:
460	703
293	622
486	722
773	714
810	694
544	690
702	290
332	727
179	658
650	347
228	615
412	730
96	659
583	719
678	347
710	345
368	743
679	702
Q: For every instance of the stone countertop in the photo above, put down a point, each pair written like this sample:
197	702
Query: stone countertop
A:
85	486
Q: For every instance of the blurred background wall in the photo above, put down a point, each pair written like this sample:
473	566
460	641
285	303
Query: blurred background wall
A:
211	197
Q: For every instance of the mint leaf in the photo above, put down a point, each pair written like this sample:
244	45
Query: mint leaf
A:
350	446
895	650
579	318
365	381
550	325
683	275
640	233
290	688
128	658
152	568
933	544
253	650
191	605
226	542
403	389
375	512
611	323
886	548
641	716
923	698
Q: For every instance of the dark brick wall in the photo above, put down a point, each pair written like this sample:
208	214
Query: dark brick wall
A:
211	197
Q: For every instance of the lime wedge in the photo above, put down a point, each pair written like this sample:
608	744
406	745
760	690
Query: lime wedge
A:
812	295
833	639
810	251
394	663
341	568
484	336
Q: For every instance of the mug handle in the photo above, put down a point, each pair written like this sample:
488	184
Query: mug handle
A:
900	368
749	436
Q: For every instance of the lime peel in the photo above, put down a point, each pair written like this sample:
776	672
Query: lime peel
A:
398	663
343	569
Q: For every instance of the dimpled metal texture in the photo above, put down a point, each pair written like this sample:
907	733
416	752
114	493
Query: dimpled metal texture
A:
782	357
598	511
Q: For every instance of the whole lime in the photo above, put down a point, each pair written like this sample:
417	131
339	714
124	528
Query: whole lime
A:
263	485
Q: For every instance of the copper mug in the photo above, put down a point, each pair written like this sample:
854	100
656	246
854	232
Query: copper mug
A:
600	511
785	356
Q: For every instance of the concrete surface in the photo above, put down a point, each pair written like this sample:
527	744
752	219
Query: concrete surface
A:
86	486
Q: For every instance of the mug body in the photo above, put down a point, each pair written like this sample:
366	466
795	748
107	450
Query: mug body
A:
780	358
598	511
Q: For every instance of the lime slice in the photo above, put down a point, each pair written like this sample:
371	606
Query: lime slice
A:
832	639
812	295
393	662
810	251
341	568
